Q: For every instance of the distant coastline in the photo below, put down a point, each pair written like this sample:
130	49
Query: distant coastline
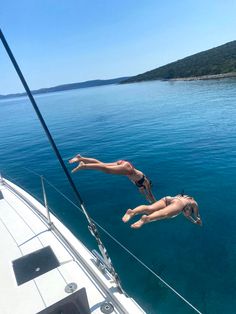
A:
212	64
120	80
215	63
205	77
71	86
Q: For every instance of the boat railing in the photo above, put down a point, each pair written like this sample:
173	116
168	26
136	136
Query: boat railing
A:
45	200
92	223
100	262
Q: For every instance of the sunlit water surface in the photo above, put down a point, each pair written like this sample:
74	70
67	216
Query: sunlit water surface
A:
183	136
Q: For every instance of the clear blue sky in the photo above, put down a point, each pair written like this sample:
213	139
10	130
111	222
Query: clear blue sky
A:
57	42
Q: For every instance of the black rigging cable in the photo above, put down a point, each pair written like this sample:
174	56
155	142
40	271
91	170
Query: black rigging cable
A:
92	226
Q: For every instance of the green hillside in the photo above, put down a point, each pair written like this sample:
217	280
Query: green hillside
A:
219	60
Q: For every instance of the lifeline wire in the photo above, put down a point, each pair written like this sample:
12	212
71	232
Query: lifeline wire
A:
122	246
92	226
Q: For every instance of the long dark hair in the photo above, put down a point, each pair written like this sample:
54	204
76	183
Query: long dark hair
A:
188	207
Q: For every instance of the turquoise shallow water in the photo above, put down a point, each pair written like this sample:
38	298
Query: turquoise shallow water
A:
183	136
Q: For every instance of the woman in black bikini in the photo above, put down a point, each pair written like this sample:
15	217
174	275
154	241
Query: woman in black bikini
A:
167	207
120	167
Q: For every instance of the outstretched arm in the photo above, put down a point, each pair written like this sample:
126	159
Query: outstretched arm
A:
196	219
196	211
197	215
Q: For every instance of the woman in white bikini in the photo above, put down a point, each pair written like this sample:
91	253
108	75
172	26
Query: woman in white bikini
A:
120	167
167	207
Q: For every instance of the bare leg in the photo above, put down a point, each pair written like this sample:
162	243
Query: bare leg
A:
148	209
96	161
167	212
87	160
116	169
79	158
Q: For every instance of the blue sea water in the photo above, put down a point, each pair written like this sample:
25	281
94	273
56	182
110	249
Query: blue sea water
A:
183	136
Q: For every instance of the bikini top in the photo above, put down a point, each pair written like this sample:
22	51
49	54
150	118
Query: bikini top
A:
187	206
179	196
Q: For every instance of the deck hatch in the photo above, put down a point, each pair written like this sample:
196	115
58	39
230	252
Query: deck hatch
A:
76	303
34	264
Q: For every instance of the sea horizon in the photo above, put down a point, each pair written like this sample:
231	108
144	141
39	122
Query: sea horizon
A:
179	133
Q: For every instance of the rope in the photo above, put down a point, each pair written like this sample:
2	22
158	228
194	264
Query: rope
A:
122	246
92	226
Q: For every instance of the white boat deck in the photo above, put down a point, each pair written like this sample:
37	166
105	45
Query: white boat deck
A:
23	231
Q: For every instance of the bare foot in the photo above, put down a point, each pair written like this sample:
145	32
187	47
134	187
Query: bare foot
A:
81	164
139	223
75	159
129	214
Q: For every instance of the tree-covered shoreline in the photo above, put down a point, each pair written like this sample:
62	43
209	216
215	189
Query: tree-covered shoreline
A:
219	61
